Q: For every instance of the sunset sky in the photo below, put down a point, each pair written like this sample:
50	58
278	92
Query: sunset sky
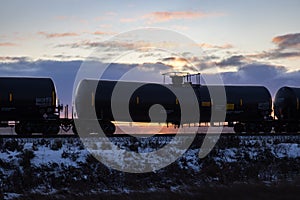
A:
251	42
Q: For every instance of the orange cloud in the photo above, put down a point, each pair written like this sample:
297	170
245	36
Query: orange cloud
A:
287	41
7	44
277	39
55	35
177	63
168	16
102	33
211	46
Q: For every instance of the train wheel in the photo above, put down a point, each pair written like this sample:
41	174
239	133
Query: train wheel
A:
291	128
18	129
176	124
277	129
251	128
238	128
25	128
52	129
267	128
108	128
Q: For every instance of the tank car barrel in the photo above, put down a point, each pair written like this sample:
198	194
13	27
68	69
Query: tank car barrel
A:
31	104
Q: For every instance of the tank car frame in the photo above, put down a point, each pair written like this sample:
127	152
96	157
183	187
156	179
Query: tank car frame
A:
248	108
32	105
287	109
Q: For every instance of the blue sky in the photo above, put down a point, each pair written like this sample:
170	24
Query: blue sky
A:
235	35
35	29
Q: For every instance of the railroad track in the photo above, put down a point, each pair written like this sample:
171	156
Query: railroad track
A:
149	135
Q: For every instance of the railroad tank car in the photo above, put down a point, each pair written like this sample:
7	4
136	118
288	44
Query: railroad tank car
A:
30	103
287	110
96	97
244	103
248	108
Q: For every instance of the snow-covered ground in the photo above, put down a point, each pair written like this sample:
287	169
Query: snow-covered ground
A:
57	166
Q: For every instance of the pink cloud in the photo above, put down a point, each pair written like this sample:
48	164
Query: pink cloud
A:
55	35
211	46
164	16
102	33
7	44
287	41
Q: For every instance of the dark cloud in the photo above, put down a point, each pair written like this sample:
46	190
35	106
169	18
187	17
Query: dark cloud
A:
287	41
288	46
179	59
279	54
190	62
150	54
62	57
238	60
210	57
255	73
4	59
82	44
272	77
108	45
276	54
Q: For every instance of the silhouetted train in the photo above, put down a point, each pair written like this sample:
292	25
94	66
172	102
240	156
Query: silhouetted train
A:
32	104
